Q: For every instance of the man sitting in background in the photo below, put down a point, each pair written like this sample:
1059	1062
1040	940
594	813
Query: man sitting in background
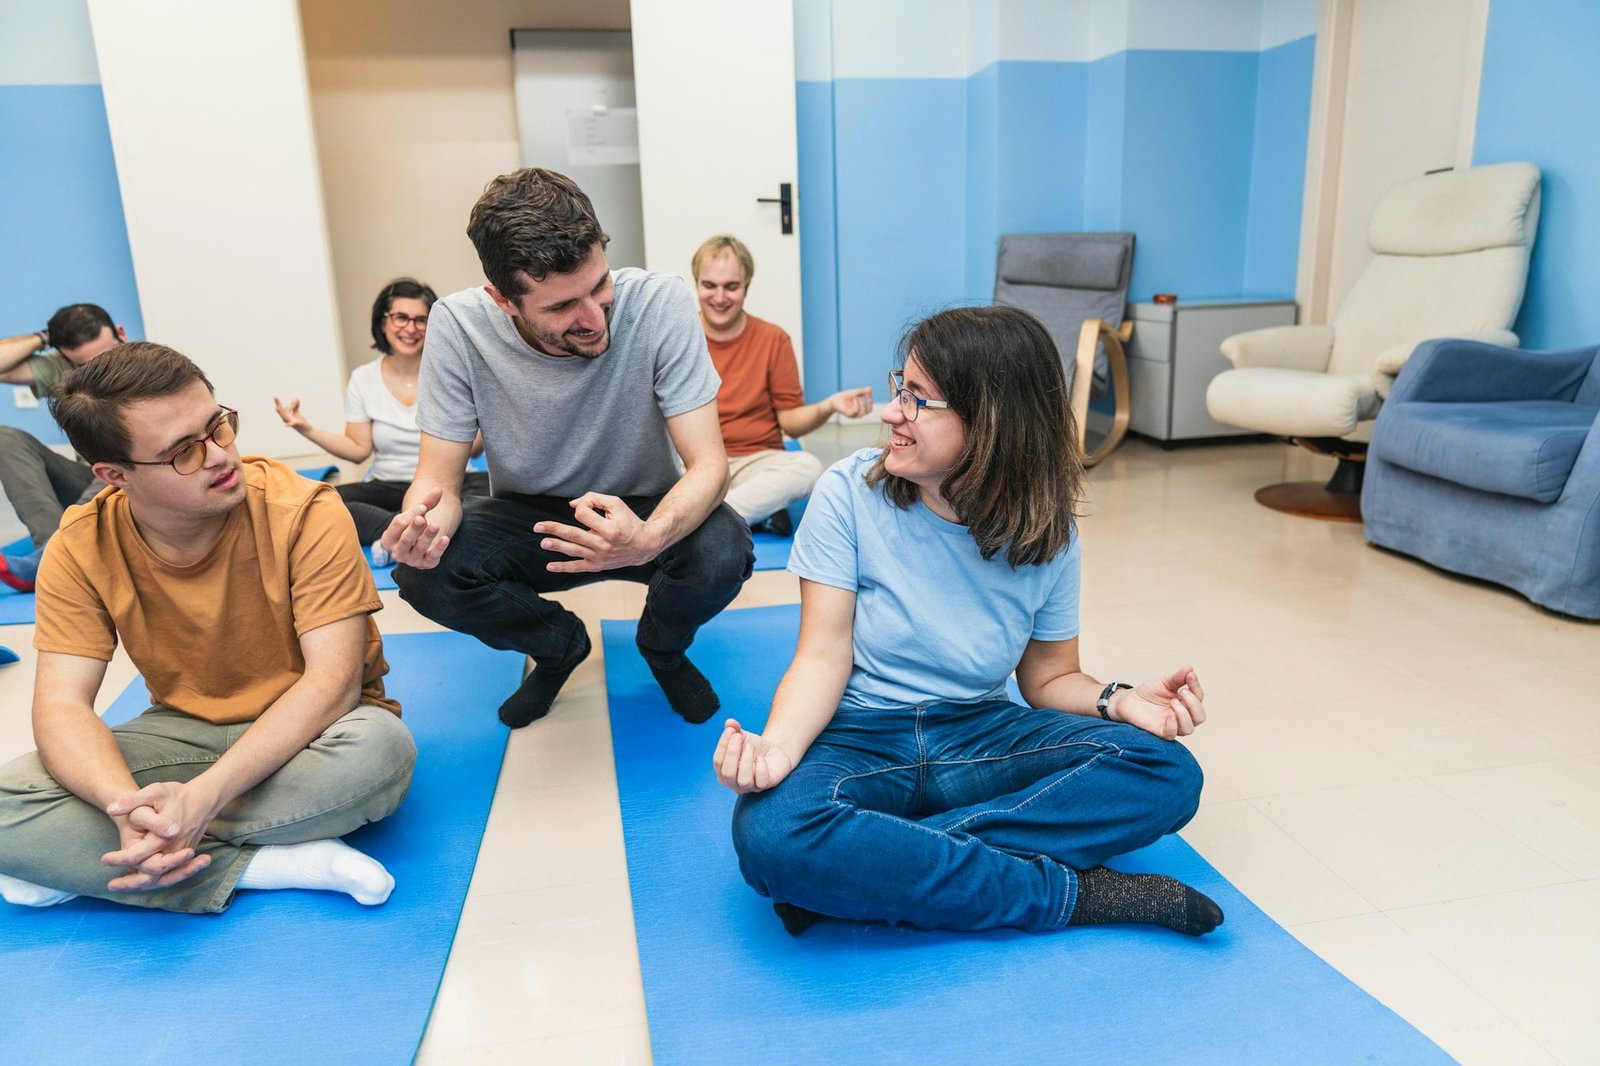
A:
760	398
39	482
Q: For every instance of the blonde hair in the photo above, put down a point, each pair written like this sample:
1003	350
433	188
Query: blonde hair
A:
715	246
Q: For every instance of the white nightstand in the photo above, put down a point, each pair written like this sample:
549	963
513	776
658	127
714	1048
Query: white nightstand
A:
1174	354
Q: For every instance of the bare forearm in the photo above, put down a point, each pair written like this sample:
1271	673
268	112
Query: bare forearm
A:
14	350
284	730
805	703
81	753
798	421
336	444
1074	693
694	497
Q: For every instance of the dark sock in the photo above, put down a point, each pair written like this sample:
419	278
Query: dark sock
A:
1106	896
687	689
796	920
538	691
781	524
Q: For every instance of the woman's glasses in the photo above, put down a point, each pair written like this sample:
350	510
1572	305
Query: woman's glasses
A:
910	403
191	455
399	320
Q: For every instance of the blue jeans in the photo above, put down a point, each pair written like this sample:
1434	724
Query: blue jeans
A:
960	816
489	581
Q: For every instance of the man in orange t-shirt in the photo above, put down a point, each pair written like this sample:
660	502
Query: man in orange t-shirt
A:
239	592
760	398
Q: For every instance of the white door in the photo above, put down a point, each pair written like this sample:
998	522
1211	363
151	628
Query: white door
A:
562	75
714	81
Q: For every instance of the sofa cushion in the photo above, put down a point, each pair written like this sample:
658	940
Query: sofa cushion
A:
1522	448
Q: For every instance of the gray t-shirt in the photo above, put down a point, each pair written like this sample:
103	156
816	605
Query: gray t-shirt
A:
565	425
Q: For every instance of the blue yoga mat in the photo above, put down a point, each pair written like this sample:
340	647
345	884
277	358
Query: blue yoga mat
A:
282	976
16	608
7	656
723	982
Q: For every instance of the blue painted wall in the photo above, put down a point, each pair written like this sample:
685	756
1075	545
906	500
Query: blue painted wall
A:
1278	165
65	238
900	189
1199	153
1539	100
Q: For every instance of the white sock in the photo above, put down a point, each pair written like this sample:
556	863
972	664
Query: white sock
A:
27	894
325	865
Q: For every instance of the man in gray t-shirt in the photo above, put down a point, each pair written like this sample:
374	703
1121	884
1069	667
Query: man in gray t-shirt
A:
596	398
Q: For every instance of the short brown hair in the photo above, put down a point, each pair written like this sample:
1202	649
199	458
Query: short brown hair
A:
87	402
715	246
1017	483
535	222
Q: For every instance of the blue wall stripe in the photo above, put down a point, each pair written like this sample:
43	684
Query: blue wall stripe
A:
65	237
1186	176
984	116
1544	112
901	200
1278	169
819	251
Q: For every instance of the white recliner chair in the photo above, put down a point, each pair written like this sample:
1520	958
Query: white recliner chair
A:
1450	260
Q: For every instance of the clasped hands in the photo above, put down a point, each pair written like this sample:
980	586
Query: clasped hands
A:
160	826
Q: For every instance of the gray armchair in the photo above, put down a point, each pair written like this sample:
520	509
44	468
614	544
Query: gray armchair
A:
1077	285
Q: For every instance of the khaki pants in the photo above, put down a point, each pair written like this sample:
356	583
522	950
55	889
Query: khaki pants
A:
356	772
764	482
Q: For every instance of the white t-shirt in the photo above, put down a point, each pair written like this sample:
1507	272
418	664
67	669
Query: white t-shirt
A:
395	438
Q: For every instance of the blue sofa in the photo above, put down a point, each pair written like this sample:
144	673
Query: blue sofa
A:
1486	461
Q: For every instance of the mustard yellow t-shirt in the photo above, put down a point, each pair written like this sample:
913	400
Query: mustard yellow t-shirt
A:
218	639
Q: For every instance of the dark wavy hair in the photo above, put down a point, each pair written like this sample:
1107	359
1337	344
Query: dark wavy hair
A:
535	222
78	324
398	289
1018	482
87	402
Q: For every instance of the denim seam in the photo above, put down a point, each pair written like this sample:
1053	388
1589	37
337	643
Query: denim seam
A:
1064	778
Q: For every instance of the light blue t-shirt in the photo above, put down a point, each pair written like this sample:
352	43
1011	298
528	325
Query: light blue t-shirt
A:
934	620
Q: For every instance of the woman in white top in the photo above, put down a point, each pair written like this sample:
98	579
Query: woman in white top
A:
381	412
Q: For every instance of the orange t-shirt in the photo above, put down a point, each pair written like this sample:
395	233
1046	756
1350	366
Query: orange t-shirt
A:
218	639
759	378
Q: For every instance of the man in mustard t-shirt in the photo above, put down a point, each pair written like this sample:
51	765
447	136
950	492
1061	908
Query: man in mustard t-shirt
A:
241	595
760	398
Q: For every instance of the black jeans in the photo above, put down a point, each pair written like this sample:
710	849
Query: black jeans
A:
373	504
489	581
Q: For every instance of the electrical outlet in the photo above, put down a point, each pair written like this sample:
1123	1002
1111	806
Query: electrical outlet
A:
24	397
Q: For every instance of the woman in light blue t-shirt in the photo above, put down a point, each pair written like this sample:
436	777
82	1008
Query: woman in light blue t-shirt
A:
895	780
381	412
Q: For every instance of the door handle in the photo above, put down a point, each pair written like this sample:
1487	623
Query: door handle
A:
785	202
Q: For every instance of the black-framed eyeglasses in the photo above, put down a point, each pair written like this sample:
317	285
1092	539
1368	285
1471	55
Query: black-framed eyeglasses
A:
191	455
399	319
898	393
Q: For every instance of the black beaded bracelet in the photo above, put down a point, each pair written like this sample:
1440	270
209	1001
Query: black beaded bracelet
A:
1103	704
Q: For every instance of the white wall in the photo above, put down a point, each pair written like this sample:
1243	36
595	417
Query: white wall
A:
414	114
211	128
1403	98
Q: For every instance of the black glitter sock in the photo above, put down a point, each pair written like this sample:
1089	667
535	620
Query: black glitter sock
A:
538	691
796	920
1106	896
688	691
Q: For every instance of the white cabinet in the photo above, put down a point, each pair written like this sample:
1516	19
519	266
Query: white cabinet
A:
1174	354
